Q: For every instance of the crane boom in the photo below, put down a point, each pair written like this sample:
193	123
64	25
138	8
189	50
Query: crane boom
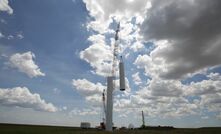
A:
115	54
104	106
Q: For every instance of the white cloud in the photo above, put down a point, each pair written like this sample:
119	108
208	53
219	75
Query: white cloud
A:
84	112
169	98
157	106
193	44
10	37
155	64
136	78
99	55
142	61
205	117
92	92
87	88
3	21
214	76
172	94
212	99
4	6
207	93
94	100
56	91
170	88
64	108
22	97
1	35
137	46
152	67
20	35
219	116
205	87
24	63
211	102
123	10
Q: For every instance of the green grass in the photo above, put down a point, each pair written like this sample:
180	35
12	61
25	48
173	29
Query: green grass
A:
34	129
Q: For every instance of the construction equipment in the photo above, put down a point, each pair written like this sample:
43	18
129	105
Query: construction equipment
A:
111	85
117	58
102	124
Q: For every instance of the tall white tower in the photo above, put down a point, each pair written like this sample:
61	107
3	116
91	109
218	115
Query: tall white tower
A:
111	82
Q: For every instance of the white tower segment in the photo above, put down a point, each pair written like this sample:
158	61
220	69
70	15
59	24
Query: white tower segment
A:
121	75
109	112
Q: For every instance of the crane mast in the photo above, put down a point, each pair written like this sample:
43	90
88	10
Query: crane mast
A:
104	106
115	55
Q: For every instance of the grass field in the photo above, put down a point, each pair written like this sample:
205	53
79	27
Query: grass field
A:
34	129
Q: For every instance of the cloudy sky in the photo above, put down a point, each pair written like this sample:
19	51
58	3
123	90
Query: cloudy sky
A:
55	56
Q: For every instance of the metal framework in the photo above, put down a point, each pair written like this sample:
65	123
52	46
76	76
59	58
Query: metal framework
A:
115	55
